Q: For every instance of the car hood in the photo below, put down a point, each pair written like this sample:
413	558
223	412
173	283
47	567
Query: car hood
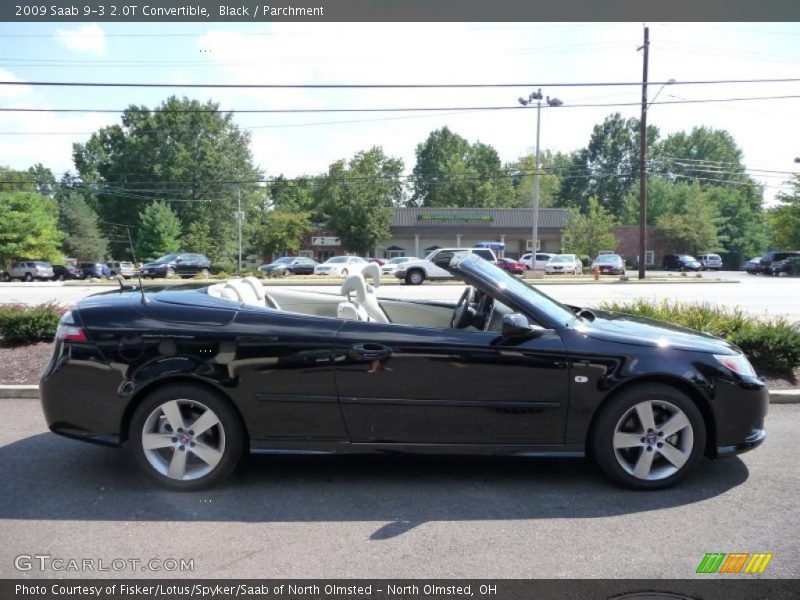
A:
641	331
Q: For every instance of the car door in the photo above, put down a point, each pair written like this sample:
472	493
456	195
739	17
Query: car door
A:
408	384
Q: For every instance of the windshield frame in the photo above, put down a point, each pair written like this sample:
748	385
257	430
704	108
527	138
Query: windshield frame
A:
512	291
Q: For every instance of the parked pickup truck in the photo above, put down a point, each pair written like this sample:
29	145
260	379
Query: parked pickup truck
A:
28	270
414	272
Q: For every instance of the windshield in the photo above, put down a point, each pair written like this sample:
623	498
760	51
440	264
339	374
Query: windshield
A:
337	259
283	261
544	303
688	258
609	258
565	258
167	258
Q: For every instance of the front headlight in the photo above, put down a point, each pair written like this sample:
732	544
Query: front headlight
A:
737	363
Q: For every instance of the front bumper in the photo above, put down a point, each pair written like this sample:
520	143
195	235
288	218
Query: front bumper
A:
754	440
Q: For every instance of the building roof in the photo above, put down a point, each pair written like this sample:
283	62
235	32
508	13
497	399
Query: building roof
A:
493	218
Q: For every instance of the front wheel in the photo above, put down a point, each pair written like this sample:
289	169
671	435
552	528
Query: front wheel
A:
28	277
649	437
170	272
186	438
205	273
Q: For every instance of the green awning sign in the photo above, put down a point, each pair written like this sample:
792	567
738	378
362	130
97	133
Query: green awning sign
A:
450	218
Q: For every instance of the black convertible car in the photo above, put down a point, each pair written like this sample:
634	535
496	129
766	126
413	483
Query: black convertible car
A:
190	378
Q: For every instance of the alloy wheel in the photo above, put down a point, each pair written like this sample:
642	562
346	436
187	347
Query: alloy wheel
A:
183	439
653	440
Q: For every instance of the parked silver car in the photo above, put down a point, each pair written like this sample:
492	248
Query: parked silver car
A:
126	269
28	270
710	262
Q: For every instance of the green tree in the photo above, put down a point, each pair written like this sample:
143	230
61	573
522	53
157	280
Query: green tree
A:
608	168
695	230
784	219
300	194
523	171
282	232
589	233
159	231
452	172
183	151
359	195
82	237
28	227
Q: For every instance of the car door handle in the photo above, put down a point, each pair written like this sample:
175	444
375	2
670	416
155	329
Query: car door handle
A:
370	351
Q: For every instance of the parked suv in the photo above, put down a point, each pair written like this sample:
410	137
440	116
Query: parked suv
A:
541	260
28	270
681	262
64	272
96	270
122	267
712	262
775	263
183	264
414	272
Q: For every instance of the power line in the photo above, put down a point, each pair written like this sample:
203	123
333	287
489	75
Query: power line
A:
389	85
391	109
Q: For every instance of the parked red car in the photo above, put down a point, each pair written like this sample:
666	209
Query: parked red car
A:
512	266
378	261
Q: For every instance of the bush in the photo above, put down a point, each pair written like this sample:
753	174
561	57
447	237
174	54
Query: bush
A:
771	345
21	324
226	266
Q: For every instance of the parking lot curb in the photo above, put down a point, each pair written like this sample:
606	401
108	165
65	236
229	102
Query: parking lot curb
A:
19	391
31	392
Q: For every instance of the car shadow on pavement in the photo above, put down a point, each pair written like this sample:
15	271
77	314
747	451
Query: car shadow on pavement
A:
48	477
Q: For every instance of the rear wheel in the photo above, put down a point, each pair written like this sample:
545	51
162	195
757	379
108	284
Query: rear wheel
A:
170	272
205	273
28	277
649	437
415	277
186	438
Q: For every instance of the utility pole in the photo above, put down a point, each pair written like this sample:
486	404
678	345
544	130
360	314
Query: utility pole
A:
239	216
535	229
643	161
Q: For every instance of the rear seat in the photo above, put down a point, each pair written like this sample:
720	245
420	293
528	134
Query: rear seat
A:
248	290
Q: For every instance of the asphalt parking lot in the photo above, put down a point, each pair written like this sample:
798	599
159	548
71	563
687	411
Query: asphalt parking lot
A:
391	516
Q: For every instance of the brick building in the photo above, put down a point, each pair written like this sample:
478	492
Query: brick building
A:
628	244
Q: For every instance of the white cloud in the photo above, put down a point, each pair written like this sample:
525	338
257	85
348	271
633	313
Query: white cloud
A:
84	38
12	91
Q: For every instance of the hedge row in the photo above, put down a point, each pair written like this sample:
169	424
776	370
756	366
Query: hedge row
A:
20	324
772	345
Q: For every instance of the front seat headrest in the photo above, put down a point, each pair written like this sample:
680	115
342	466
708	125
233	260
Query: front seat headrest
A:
374	271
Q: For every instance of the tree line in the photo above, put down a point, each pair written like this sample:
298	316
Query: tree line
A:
175	175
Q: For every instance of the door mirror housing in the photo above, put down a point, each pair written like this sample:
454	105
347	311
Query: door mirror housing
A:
516	325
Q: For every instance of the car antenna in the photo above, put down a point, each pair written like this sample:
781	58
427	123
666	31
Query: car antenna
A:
133	254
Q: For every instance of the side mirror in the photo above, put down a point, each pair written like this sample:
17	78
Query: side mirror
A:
516	325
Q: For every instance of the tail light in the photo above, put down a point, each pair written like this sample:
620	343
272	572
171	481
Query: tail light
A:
68	331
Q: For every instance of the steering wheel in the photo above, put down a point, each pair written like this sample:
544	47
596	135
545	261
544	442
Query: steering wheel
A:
464	313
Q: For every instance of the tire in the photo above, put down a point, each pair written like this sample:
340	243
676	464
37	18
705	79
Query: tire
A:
222	443
415	277
616	445
28	277
6	277
170	272
60	278
205	273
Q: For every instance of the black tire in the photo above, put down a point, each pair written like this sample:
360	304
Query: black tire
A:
60	277
415	277
28	277
692	438
205	273
229	423
6	277
170	272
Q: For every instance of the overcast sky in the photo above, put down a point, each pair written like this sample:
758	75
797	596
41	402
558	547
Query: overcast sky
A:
768	131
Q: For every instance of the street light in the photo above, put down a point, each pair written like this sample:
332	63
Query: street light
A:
552	102
670	81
